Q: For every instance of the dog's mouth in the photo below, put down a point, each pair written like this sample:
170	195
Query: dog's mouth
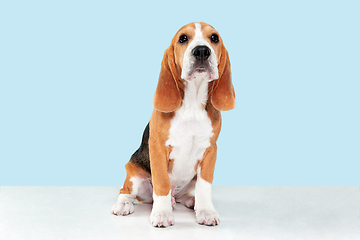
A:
201	69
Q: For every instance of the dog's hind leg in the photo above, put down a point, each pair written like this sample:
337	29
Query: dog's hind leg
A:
185	196
135	186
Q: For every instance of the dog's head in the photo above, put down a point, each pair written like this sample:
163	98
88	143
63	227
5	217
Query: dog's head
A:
196	50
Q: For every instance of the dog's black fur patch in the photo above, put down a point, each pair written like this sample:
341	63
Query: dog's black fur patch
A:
141	157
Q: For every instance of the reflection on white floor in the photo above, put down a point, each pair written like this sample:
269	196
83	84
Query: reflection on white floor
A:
245	213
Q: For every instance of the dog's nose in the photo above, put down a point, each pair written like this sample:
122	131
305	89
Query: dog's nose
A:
201	52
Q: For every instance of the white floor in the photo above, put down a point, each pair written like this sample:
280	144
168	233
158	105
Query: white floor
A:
245	213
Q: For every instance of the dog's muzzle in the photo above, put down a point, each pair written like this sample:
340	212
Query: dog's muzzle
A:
201	63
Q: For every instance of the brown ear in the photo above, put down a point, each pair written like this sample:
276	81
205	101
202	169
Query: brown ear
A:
167	95
223	95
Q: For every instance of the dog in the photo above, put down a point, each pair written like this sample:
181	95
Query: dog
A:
178	149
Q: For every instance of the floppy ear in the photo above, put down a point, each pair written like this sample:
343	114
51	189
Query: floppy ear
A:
223	95
167	95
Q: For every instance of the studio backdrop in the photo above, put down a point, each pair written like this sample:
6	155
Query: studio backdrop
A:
77	80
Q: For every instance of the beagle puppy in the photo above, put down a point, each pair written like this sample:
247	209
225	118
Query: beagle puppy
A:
178	149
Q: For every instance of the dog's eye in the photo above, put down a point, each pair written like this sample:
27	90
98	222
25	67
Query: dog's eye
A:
214	38
183	38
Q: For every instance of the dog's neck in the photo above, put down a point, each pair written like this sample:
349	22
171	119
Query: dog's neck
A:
195	94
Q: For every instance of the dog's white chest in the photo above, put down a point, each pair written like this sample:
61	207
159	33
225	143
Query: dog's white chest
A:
189	134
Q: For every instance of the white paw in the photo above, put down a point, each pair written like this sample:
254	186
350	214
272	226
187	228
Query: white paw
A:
207	217
187	201
162	219
123	206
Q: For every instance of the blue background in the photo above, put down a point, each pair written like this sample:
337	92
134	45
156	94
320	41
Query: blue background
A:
78	78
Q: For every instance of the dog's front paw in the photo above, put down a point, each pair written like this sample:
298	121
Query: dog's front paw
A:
162	218
123	206
207	217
